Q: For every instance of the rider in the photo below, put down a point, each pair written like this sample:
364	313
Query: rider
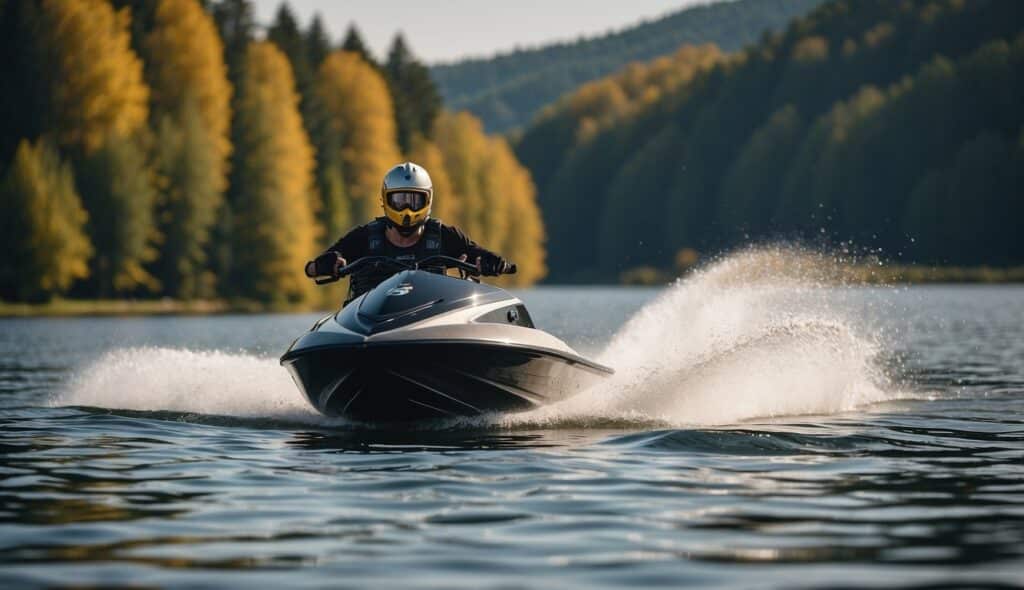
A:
406	233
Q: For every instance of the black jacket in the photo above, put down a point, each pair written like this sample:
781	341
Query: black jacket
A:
356	244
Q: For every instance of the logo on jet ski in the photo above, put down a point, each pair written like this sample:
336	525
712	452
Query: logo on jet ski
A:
403	289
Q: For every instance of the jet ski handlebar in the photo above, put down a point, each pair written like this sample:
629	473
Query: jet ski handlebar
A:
435	261
449	262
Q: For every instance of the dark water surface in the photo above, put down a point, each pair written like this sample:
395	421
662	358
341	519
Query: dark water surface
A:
789	437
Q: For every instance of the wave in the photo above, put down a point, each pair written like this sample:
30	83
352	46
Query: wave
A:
763	333
188	382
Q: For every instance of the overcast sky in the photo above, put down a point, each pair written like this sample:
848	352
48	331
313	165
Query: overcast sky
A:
445	30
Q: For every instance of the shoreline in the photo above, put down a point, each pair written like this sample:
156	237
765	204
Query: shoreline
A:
865	276
144	307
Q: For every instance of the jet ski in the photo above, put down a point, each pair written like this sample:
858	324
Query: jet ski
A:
424	345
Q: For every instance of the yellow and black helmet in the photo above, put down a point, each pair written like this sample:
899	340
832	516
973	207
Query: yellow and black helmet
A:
406	195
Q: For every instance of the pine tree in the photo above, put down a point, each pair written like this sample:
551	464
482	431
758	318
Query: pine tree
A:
354	42
42	226
753	186
285	33
361	116
187	159
417	101
318	42
192	114
237	27
25	102
118	188
330	183
274	227
336	212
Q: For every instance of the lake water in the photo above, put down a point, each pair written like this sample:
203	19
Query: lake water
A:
765	428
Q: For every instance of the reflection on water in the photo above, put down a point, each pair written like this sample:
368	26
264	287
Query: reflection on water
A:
924	489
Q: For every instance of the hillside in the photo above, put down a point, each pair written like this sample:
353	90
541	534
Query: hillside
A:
885	125
508	90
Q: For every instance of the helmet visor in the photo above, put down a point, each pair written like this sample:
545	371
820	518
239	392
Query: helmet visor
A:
412	200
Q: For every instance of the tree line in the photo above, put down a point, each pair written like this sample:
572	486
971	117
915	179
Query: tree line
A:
507	91
171	148
887	125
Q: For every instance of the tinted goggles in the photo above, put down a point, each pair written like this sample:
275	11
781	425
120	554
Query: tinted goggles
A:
411	200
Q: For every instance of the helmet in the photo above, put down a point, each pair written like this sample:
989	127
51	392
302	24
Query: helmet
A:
406	195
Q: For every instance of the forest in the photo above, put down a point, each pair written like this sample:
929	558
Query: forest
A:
508	90
173	148
177	150
877	126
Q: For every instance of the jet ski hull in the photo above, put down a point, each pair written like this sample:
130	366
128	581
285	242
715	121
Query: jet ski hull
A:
422	380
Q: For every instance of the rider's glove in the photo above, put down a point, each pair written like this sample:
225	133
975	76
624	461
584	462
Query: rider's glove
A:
326	264
492	265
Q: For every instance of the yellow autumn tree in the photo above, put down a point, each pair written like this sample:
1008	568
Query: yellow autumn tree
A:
95	79
514	226
461	139
496	197
42	225
601	103
273	212
99	106
446	201
191	115
185	61
359	107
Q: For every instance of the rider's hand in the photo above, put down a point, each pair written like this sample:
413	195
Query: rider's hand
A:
492	265
327	264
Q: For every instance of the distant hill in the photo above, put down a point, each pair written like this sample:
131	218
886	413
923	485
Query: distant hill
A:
891	126
508	90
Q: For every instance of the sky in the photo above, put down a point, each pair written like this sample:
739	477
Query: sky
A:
446	30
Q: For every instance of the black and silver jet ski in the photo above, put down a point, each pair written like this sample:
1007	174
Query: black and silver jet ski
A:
424	345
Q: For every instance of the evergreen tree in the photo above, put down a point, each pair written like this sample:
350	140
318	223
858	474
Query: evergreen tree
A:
274	227
187	158
417	101
753	185
25	102
192	114
285	33
42	226
336	212
119	191
318	42
237	26
354	43
361	116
